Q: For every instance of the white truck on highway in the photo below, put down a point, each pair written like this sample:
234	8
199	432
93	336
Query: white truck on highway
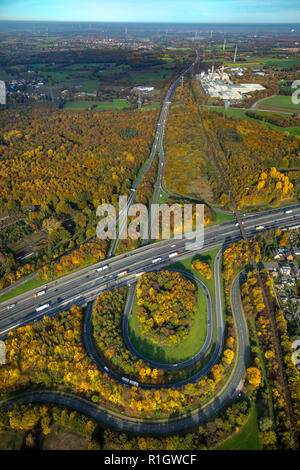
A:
172	255
41	292
102	268
125	380
42	307
156	260
123	273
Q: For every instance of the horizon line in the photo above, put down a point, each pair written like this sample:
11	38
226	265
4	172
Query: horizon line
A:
148	22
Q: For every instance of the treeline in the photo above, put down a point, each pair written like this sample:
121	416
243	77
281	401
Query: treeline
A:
251	150
57	167
286	433
40	421
14	232
28	417
206	437
137	59
279	120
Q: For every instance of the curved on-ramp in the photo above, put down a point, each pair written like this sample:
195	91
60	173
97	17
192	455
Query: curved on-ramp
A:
157	426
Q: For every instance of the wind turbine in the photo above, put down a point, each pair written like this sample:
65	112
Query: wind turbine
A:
235	54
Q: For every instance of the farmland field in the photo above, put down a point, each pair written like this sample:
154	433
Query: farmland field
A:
241	114
279	103
115	104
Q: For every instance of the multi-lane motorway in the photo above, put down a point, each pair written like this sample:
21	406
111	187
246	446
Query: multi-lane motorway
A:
81	286
157	145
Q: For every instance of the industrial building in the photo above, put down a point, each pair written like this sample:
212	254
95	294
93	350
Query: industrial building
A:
217	84
142	89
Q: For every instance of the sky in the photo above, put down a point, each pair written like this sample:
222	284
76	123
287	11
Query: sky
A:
189	11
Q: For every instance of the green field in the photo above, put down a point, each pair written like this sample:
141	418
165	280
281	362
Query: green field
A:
57	76
115	104
258	62
79	104
247	438
179	352
26	286
155	76
97	105
280	62
221	218
5	76
281	103
90	85
241	114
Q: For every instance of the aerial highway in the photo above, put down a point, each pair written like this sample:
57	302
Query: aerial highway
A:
81	286
215	323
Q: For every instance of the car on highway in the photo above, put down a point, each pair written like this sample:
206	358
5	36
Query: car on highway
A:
135	384
106	368
11	306
289	211
259	227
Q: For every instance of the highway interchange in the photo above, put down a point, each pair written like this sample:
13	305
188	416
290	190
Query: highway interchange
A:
82	287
